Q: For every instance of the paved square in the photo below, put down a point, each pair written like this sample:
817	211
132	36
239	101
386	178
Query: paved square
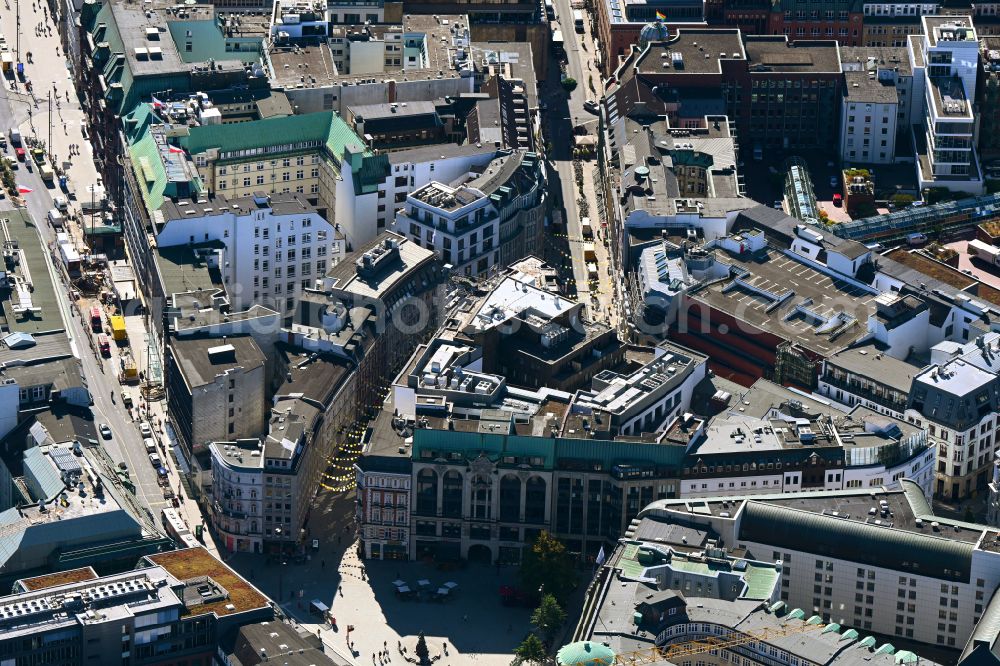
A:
478	629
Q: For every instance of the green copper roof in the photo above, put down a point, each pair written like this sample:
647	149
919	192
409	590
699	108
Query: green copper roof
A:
797	614
867	641
833	626
208	43
149	170
585	653
888	648
815	619
906	657
850	634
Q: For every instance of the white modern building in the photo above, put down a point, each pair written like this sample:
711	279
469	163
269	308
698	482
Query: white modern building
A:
947	66
489	221
416	167
266	248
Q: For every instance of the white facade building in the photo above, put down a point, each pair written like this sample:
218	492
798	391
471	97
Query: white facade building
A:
237	494
868	116
869	559
267	248
948	64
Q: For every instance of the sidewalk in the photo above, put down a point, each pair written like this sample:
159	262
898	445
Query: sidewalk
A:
48	72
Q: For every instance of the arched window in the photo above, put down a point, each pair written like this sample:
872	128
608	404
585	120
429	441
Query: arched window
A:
510	498
427	482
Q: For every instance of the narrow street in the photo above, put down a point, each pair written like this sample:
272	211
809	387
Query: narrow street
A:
52	82
565	113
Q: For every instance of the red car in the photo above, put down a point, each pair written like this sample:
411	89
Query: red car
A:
20	154
838	199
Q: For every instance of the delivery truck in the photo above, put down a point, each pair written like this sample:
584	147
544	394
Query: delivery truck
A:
984	251
118	331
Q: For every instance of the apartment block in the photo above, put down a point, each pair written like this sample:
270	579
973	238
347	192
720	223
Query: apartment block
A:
490	220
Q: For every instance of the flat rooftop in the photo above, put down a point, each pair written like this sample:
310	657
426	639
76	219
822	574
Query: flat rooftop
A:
948	29
201	360
817	298
777	54
58	578
870	58
869	360
190	563
692	51
430	37
411	258
289	203
916	260
862	89
33	307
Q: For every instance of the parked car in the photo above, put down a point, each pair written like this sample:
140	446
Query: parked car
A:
20	154
590	106
145	429
154	460
105	431
126	398
150	444
838	199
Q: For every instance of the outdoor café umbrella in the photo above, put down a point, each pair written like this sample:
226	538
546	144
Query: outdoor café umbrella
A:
442	590
399	583
451	584
423	582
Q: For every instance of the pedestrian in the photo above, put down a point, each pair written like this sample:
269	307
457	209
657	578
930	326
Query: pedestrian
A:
322	564
373	657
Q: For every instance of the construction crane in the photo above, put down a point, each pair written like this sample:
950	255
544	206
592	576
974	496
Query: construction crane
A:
676	651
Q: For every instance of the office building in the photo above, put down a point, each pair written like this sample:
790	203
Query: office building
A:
215	389
492	219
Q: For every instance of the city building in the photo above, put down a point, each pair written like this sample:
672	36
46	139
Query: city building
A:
373	308
129	52
492	219
947	66
668	591
215	389
388	127
870	559
869	116
265	246
514	373
770	439
988	98
413	168
891	65
256	644
176	605
372	59
63	506
720	70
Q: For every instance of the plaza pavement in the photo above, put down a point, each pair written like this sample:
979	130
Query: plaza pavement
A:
477	628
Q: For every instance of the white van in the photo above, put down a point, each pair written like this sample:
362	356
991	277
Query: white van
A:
149	444
55	218
61	203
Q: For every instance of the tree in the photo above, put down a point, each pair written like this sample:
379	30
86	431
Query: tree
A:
423	654
569	84
548	617
530	650
547	567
